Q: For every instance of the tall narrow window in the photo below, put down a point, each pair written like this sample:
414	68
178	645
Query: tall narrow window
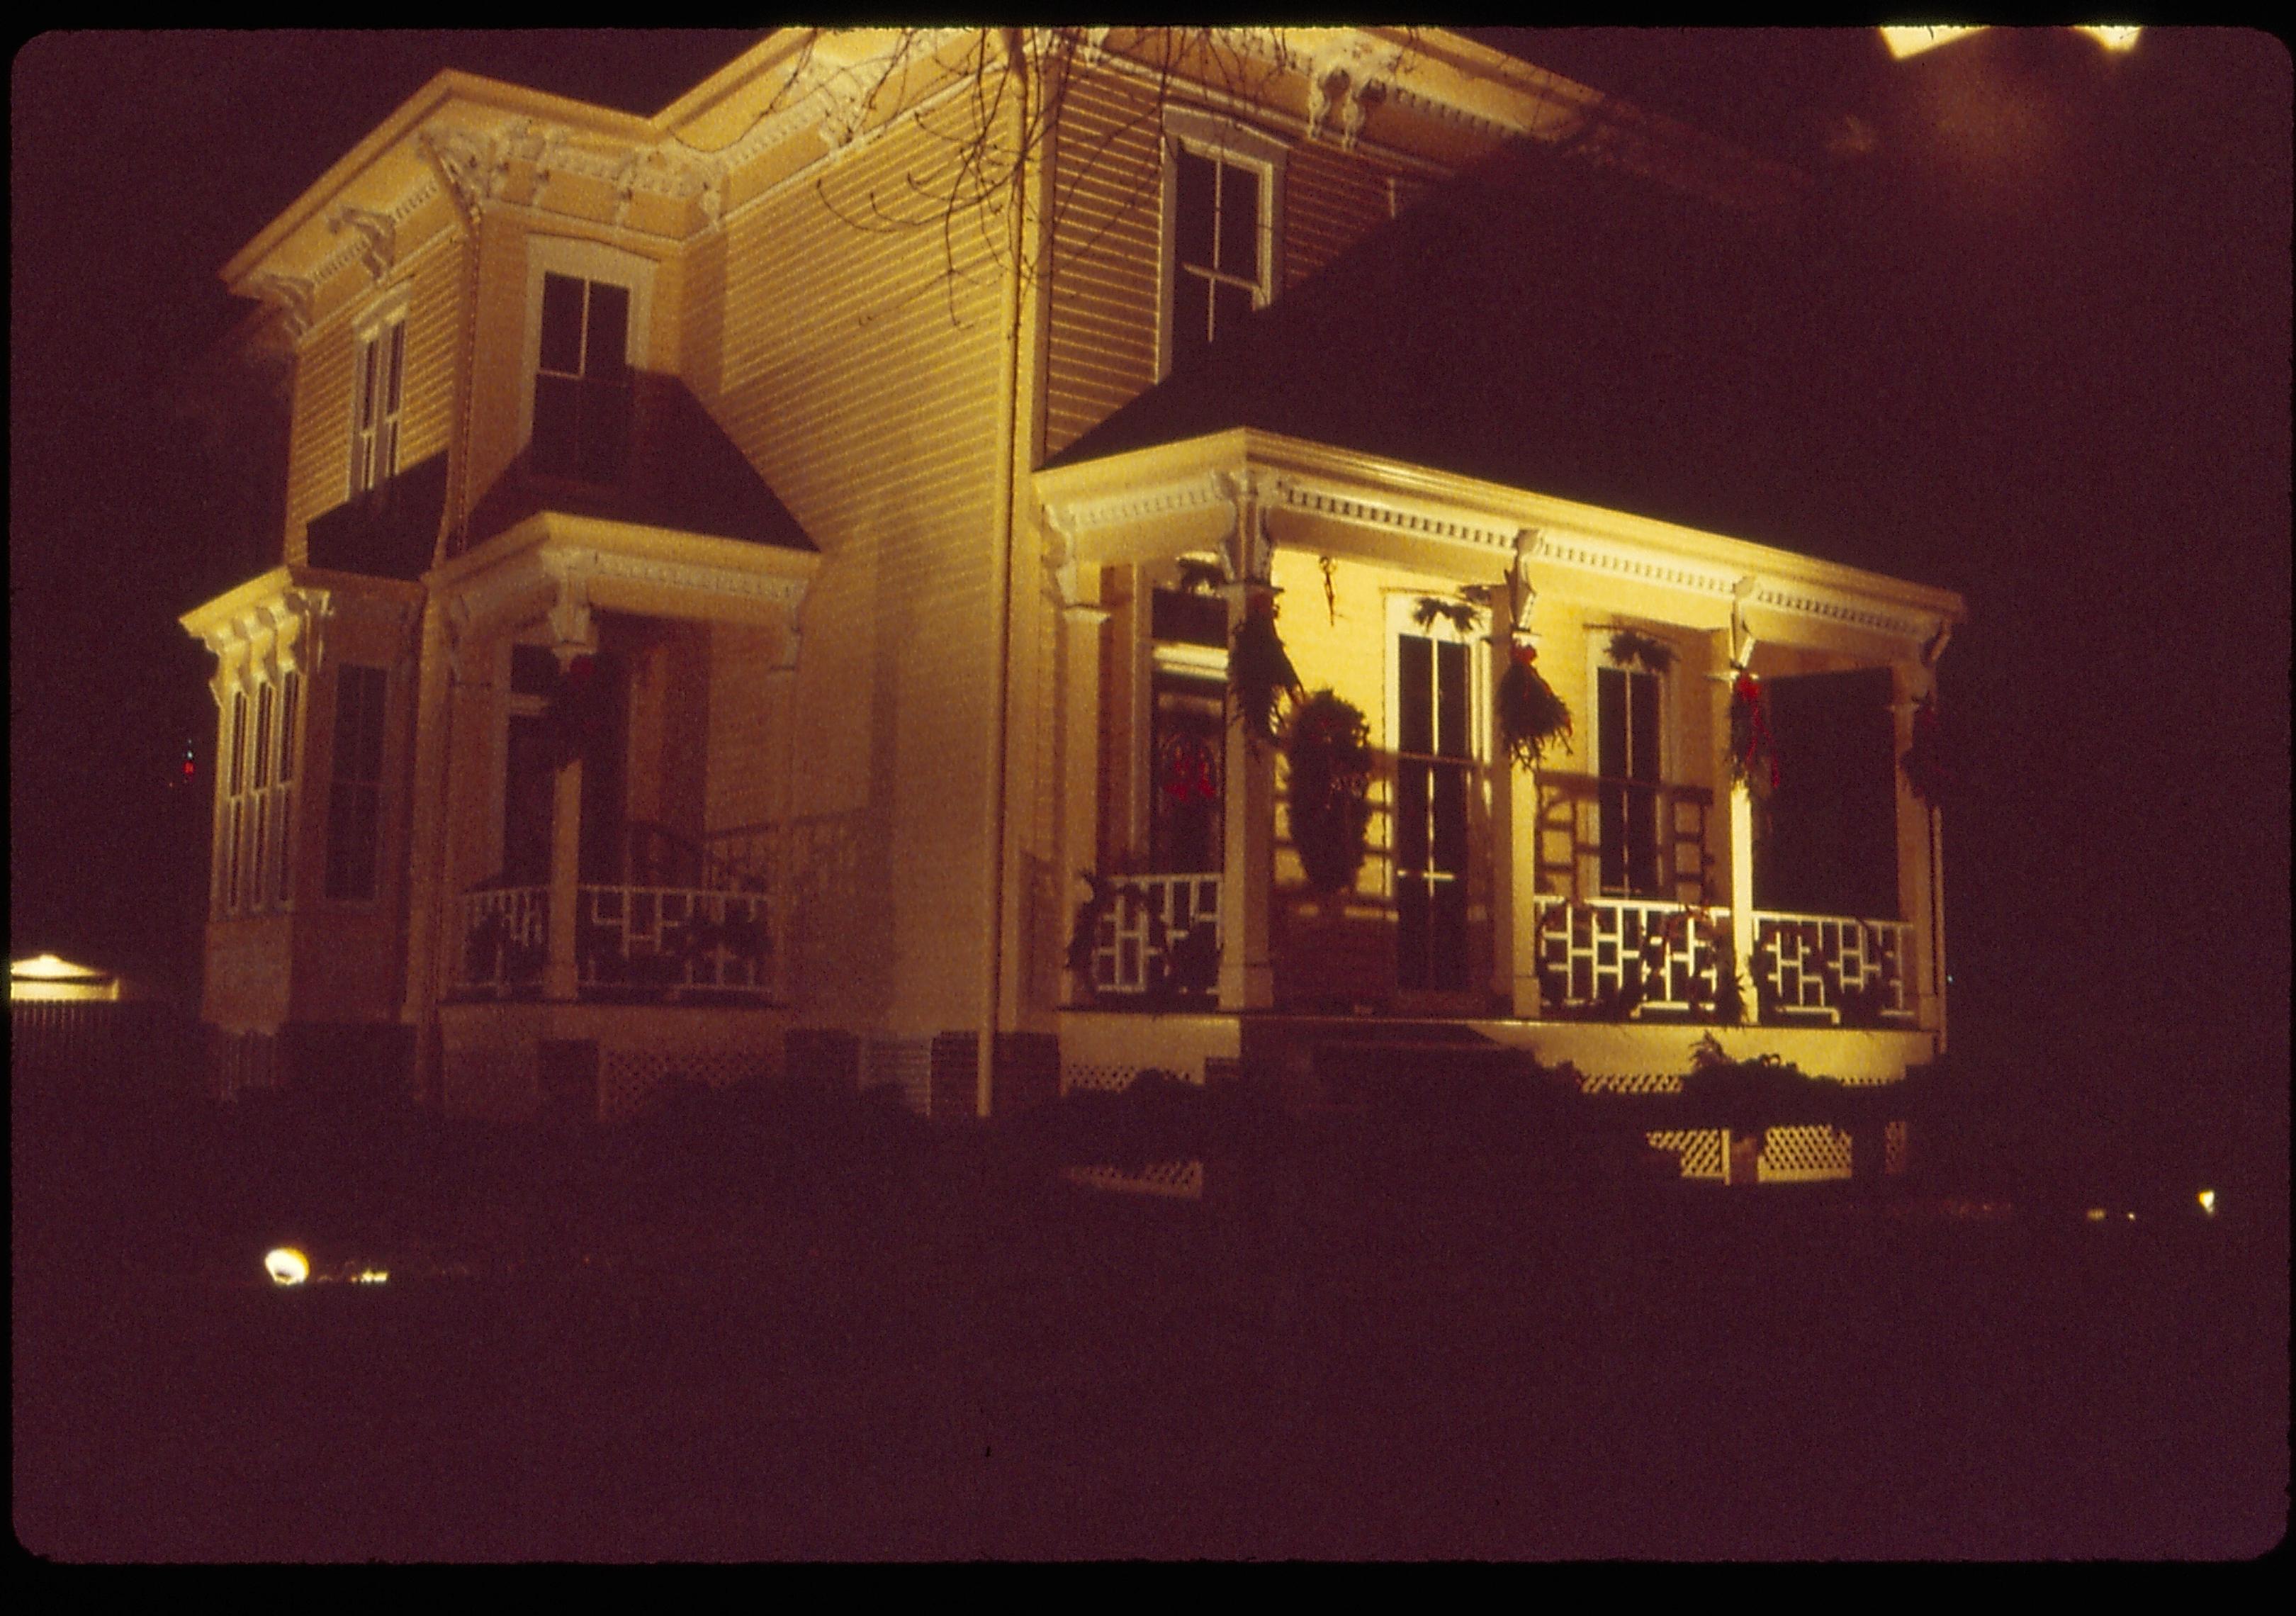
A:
355	796
1219	250
260	860
1628	708
1434	762
232	818
377	385
582	379
282	791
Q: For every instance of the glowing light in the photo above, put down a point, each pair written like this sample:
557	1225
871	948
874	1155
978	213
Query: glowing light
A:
2096	1214
47	967
2207	1200
287	1266
1906	41
2112	37
371	1277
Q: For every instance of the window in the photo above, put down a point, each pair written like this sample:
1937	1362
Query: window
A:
231	820
1222	196
587	310
377	385
1630	706
255	785
582	381
1433	727
355	799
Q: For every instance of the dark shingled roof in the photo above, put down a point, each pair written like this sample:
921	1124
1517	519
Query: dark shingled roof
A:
1548	325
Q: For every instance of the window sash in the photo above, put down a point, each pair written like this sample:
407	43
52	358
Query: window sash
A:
374	410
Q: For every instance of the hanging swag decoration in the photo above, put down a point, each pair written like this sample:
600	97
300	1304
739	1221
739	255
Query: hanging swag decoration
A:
1259	671
1327	746
1531	716
1753	757
1925	760
1631	647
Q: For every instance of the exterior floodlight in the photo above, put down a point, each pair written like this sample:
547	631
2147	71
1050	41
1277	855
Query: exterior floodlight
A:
287	1266
371	1277
2096	1214
2207	1200
1906	41
2112	37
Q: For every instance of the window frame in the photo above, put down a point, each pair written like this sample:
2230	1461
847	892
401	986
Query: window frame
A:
1599	661
377	416
1236	145
595	262
1400	621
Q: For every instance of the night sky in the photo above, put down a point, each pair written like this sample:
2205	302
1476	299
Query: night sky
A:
2073	395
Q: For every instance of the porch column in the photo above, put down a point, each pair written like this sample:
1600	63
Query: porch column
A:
1514	827
1918	894
1742	897
1247	976
572	626
1079	741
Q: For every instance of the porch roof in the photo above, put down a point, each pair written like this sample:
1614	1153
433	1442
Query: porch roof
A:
1539	323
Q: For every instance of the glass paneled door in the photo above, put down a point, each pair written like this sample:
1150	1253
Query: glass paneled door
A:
1434	773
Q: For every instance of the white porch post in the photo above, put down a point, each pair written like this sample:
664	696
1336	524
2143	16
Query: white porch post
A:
1741	895
1247	975
575	636
1079	741
1514	824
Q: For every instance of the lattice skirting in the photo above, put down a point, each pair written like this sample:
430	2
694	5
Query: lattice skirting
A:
902	1063
632	1080
1632	1083
1802	1155
1896	1153
1174	1180
1112	1079
1699	1149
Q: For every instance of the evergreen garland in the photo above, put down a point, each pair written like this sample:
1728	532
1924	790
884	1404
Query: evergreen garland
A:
1328	748
1461	613
1753	756
1259	673
1531	716
1631	647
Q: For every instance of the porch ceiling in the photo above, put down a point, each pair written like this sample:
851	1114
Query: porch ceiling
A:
1168	499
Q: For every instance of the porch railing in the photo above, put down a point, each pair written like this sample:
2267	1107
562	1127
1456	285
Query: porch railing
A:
667	942
505	940
1631	954
676	941
1831	968
1157	932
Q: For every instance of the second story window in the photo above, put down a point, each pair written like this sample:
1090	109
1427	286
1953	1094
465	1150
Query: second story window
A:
1223	204
378	382
582	379
355	796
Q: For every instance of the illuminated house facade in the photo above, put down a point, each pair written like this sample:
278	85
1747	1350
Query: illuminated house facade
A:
718	624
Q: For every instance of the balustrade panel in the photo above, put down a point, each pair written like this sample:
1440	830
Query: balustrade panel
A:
1832	968
1630	956
1157	933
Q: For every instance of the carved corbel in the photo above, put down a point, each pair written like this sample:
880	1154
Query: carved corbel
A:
1348	80
378	234
1247	554
292	296
625	182
1741	639
469	168
572	628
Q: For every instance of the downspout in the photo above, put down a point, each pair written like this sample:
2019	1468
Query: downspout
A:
1008	417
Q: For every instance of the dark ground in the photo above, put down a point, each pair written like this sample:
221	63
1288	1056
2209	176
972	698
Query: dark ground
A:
768	1329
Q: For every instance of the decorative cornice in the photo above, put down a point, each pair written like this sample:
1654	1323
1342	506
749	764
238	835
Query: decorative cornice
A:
376	243
1196	491
294	296
1316	498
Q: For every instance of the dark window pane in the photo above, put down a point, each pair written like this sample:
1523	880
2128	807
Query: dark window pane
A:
1191	210
365	403
1642	804
529	786
1411	931
238	740
1239	222
1450	819
561	325
608	354
1410	793
605	431
1191	320
1611	723
289	698
1451	699
1612	799
1642	726
398	363
1180	617
1415	674
557	417
1230	306
351	826
1447	950
263	700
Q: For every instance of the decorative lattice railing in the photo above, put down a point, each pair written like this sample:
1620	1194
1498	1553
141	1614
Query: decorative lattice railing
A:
1631	955
1157	932
676	941
505	940
1831	968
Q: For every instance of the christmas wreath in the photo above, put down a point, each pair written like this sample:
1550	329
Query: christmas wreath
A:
1753	755
1531	716
1259	673
1327	746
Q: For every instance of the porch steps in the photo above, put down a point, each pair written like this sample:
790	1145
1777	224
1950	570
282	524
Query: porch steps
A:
1351	1066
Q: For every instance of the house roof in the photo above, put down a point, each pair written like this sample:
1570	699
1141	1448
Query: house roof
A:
1545	325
